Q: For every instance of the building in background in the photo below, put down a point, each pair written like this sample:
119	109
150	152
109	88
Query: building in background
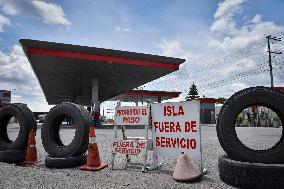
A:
5	97
217	110
207	110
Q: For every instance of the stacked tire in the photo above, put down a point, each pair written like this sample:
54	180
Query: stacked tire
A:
15	151
73	154
244	167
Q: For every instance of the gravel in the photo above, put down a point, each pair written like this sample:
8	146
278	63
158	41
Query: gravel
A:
38	176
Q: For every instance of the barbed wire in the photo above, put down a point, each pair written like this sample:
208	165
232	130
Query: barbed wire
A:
239	65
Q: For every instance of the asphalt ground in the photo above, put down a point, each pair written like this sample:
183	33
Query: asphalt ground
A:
39	176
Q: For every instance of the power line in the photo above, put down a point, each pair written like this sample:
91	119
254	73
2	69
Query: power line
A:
209	72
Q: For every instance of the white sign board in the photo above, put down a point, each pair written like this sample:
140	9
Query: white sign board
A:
131	115
128	146
176	129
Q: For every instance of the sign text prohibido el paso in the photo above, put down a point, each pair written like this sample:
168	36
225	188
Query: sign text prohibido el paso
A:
131	115
176	129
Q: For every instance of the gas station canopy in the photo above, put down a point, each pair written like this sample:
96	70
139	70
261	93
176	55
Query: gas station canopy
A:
143	95
66	72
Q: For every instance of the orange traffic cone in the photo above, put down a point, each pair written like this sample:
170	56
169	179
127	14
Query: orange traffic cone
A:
93	160
185	169
31	157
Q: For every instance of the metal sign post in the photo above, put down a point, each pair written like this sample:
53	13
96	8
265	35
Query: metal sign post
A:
202	171
155	162
145	154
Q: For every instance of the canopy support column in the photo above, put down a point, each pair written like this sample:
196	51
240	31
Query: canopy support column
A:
96	102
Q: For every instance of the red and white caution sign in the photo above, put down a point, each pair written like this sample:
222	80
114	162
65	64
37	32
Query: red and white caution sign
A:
131	115
176	129
130	147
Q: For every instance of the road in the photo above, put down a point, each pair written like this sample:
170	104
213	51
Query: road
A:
41	177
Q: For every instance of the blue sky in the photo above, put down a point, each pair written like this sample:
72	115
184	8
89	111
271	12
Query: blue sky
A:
191	29
97	23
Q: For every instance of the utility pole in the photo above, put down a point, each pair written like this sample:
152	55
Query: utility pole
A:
269	55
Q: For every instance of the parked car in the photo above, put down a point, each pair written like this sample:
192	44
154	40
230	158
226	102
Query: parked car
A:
41	118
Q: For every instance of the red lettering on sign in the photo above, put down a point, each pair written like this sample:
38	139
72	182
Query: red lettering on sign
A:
178	127
114	144
172	125
167	126
158	141
174	113
190	126
180	110
156	125
174	141
125	119
130	119
193	143
184	143
193	126
144	112
170	111
131	111
168	142
128	147
140	145
182	140
162	141
136	111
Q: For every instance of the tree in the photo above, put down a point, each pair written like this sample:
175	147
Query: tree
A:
193	92
221	100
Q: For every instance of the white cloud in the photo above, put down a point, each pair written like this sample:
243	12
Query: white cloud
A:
231	39
50	13
171	48
223	16
16	73
123	29
257	19
228	8
4	22
224	60
36	104
181	79
256	29
9	9
235	37
174	48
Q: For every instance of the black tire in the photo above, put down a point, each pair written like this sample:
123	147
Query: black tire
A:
250	175
50	131
13	156
32	120
61	163
260	96
25	122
